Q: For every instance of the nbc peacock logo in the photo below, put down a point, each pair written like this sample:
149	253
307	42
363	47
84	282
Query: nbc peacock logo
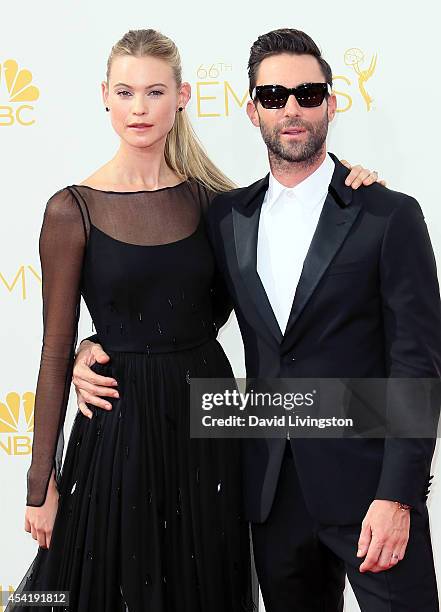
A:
16	86
17	423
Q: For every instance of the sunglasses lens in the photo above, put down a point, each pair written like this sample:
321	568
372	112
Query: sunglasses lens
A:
272	97
311	94
308	95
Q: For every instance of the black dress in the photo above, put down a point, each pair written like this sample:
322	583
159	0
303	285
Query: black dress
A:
148	519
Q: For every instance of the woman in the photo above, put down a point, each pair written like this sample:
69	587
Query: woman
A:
142	517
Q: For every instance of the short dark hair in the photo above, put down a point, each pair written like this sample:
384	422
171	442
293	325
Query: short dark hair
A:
285	40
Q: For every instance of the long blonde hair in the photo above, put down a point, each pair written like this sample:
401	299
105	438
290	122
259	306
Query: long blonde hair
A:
184	153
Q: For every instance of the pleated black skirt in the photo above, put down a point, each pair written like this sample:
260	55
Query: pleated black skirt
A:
149	520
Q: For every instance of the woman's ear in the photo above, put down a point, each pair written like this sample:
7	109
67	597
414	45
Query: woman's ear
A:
105	92
184	94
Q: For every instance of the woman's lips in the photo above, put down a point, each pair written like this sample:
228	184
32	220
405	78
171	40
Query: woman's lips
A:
140	127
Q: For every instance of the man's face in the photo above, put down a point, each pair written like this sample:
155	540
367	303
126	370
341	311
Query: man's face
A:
292	133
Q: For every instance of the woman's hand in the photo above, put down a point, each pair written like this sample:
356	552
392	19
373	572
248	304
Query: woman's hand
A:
88	385
360	176
39	521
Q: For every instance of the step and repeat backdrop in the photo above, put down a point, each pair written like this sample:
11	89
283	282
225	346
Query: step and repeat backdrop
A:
54	132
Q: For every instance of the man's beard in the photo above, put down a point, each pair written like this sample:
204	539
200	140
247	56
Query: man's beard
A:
303	152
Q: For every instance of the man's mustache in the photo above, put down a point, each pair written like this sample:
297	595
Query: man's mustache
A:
305	125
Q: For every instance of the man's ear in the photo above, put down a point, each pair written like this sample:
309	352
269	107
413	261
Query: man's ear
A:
252	113
332	107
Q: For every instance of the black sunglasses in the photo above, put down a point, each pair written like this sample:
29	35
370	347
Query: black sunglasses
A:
308	95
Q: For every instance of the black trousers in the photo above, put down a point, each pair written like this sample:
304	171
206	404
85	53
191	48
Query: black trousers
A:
301	564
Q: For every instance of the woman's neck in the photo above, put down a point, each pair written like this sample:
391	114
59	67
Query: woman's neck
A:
141	168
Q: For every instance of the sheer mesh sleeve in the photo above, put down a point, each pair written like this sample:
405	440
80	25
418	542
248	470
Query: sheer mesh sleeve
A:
222	303
62	245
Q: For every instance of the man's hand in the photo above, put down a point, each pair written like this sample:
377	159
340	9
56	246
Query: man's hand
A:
88	385
360	176
384	536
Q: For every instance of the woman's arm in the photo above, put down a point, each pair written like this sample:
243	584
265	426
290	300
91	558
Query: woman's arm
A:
62	246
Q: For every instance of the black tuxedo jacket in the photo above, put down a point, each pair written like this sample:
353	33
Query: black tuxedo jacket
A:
367	305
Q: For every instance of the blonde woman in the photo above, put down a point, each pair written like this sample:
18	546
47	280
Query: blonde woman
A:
141	518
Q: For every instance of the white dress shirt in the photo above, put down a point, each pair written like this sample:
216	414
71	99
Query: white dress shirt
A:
288	220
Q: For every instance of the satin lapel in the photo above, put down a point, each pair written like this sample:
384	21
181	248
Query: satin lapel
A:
246	224
334	224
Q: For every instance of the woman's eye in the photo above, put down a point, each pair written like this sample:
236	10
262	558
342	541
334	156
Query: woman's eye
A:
155	93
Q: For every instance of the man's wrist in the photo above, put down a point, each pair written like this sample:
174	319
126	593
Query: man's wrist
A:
80	346
403	507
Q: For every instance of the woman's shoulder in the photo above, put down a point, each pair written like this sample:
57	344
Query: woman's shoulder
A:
63	204
62	197
70	198
101	180
205	193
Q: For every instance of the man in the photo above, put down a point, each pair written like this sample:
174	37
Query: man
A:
328	282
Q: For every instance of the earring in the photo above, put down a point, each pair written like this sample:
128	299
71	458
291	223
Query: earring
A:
180	109
107	108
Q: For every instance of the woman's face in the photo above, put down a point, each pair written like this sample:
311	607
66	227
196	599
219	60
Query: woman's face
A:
143	98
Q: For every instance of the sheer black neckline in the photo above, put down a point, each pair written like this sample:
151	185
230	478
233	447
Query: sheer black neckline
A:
160	244
131	192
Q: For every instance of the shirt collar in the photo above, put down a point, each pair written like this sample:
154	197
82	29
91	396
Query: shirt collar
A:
309	192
